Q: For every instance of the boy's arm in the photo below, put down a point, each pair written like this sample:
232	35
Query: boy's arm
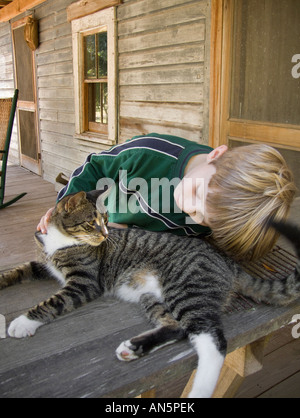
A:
85	177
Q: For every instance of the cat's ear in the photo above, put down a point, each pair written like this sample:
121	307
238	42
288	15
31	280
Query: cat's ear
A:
99	193
75	201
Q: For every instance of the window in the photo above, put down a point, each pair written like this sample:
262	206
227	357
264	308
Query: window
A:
255	89
96	81
95	75
265	40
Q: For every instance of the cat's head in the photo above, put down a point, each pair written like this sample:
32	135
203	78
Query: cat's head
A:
82	216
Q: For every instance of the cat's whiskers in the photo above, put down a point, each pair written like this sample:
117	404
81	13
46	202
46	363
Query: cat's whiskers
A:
111	241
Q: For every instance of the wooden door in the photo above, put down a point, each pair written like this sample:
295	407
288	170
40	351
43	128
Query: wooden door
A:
255	81
27	103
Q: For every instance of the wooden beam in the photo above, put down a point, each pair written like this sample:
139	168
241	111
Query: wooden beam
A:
17	7
4	3
217	7
86	7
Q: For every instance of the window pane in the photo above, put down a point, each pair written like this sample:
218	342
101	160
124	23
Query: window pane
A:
97	102
266	70
102	54
28	134
90	57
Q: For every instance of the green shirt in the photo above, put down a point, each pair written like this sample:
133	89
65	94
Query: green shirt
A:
145	171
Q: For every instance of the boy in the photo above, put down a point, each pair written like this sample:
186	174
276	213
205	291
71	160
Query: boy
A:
166	183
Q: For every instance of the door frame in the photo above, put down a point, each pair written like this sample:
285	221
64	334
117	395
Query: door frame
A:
221	127
27	162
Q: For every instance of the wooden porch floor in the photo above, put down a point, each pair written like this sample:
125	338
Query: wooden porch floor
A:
18	222
281	374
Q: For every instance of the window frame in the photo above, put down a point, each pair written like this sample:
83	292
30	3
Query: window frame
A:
87	25
222	127
95	127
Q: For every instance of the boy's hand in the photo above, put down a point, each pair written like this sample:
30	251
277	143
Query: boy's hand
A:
43	224
119	226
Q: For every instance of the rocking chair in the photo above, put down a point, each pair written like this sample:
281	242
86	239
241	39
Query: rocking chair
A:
7	115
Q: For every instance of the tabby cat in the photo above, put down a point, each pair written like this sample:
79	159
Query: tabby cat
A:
181	283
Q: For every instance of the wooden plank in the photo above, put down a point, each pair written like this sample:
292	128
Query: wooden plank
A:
60	163
190	114
287	360
59	81
56	116
171	93
89	353
182	54
55	56
289	389
18	222
55	69
86	7
135	9
4	2
128	126
162	19
17	7
55	33
269	133
59	93
215	71
61	104
164	37
14	301
179	74
256	324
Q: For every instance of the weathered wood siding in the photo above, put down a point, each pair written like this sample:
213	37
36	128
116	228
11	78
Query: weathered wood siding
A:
163	79
7	81
54	70
163	67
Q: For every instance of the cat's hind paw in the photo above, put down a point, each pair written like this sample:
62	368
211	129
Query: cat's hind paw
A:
23	327
126	351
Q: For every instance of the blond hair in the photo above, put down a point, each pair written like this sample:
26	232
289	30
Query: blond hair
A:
252	185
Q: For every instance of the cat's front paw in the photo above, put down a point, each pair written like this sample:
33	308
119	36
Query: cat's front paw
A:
127	352
23	327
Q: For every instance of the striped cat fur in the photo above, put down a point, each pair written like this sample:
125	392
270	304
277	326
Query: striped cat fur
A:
181	283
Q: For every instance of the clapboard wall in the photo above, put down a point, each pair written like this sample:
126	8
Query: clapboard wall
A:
163	52
163	67
54	73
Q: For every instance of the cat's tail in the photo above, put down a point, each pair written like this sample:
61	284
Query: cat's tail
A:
28	271
274	291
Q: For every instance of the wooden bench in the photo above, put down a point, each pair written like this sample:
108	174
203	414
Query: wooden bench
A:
74	356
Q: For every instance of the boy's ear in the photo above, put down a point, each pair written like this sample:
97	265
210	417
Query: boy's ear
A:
217	153
74	201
